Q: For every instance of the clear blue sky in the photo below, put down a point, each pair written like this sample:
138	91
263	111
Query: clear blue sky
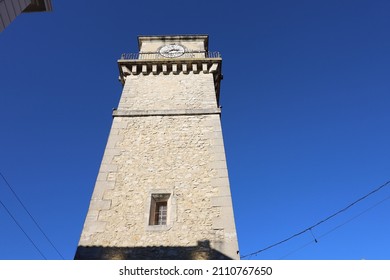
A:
305	96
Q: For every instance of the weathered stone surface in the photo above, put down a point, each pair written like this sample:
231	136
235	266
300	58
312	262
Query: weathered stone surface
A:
159	92
165	139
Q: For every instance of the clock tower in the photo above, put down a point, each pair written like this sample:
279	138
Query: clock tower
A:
163	191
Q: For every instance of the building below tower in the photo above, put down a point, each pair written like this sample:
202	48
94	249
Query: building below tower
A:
10	9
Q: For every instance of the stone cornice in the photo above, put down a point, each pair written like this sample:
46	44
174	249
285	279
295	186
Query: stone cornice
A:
177	112
167	66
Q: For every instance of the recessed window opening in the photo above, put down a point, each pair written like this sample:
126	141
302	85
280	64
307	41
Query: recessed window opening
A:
159	209
160	215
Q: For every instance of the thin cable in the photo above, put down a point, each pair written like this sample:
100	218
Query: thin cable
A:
312	234
337	227
32	218
318	223
28	237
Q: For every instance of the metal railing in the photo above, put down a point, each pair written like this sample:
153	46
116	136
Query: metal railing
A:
156	55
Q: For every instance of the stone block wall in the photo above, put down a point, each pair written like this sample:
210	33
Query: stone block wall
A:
166	140
168	92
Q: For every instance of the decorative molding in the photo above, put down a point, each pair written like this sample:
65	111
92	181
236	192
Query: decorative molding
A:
155	67
147	113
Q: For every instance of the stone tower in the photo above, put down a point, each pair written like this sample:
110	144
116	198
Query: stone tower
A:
162	191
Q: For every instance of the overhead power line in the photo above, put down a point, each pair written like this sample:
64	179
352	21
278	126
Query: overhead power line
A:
32	218
338	226
25	233
318	223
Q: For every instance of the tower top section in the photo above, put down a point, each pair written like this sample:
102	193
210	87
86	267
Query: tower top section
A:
190	43
172	55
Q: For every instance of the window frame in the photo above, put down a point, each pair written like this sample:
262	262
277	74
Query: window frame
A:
163	198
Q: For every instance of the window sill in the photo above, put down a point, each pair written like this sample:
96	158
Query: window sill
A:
158	227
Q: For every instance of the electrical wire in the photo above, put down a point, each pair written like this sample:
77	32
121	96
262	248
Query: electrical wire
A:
25	233
318	223
32	218
337	227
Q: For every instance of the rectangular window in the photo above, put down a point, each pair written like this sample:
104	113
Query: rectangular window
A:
159	209
160	215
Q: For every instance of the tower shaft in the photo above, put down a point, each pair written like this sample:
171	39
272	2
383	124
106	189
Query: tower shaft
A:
162	190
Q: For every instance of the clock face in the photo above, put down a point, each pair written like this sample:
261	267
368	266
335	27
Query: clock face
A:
172	50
